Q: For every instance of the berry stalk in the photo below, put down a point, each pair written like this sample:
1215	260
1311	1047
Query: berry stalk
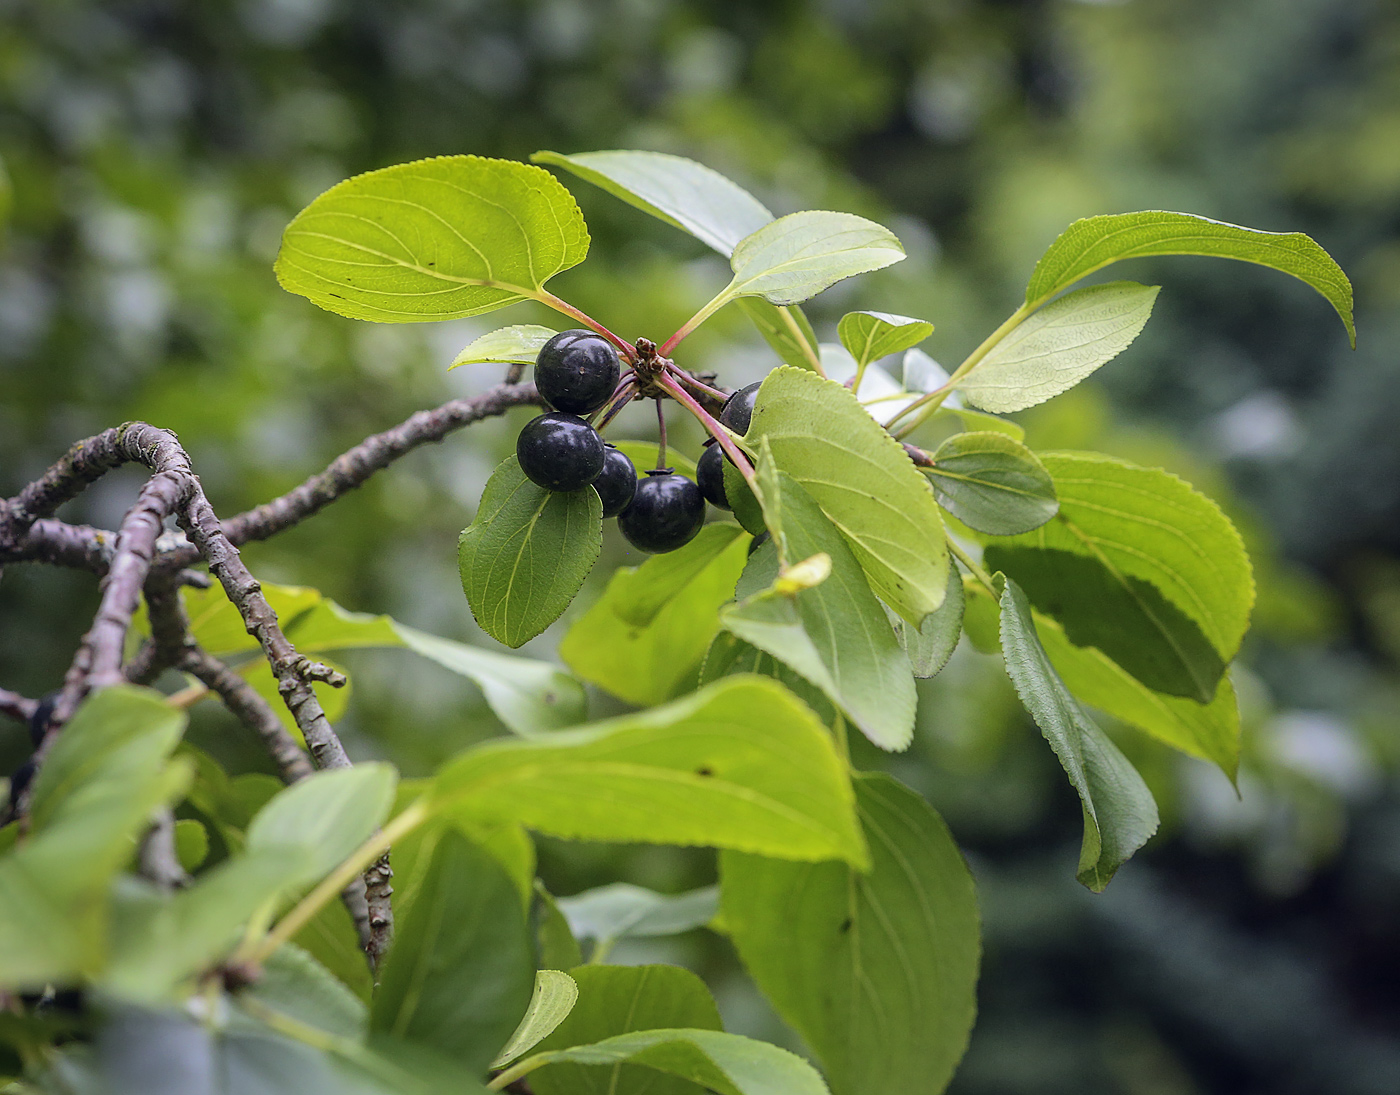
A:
715	430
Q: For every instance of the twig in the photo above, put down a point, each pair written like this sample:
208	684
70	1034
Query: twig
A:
16	706
157	860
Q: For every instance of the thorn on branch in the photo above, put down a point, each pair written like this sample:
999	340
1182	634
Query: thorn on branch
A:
319	671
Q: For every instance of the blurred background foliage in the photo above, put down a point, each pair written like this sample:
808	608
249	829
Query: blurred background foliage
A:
155	149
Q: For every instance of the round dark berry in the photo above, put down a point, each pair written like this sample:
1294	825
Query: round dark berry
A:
576	371
737	411
617	484
666	513
560	452
709	476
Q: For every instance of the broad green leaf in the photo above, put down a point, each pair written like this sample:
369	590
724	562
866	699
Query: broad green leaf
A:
864	482
713	1061
876	971
835	633
1119	812
191	843
326	816
558	948
870	336
333	940
786	330
293	983
1094	242
517	345
795	257
1210	731
1139	565
527	553
681	192
740	764
652	662
930	645
555	996
730	655
992	483
622	911
434	239
1055	348
461	971
643	456
619	1000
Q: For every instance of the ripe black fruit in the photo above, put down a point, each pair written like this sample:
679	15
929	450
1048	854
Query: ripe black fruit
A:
617	484
576	371
666	513
709	476
737	412
560	452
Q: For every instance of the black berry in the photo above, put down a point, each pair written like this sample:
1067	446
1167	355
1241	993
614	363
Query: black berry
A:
617	484
576	371
709	476
737	412
560	452
666	513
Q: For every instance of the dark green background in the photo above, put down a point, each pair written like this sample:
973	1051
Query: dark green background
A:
156	149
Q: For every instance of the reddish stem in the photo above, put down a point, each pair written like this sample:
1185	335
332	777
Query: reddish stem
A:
718	432
559	305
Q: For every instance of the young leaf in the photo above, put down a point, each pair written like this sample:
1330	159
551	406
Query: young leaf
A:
992	483
678	598
870	336
1210	731
739	764
461	971
618	1000
681	192
797	256
930	645
1119	812
527	553
876	971
620	911
1094	242
1058	346
786	330
1139	565
864	482
555	996
518	345
834	633
435	239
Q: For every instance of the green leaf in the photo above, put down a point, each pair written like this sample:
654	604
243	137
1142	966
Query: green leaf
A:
1058	346
643	455
191	843
739	764
527	553
1119	812
835	633
786	330
333	940
618	1000
434	239
621	911
558	948
863	481
681	192
876	971
976	420
743	501
992	483
293	983
1139	565
461	971
1094	242
1210	731
517	345
555	996
795	257
326	816
931	644
679	598
870	336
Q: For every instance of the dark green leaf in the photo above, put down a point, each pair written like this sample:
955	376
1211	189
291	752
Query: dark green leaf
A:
435	239
1119	812
992	483
461	971
876	971
558	948
742	501
1094	242
294	984
931	645
527	553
